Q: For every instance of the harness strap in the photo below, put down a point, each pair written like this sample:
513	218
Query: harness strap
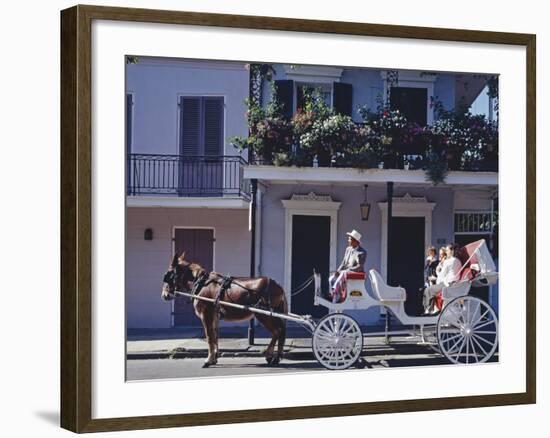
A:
226	284
200	283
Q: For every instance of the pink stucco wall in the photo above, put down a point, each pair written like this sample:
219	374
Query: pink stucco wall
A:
146	261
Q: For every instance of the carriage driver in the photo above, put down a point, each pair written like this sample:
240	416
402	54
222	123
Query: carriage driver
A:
354	260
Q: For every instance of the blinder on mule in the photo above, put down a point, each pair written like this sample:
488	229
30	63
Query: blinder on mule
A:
169	278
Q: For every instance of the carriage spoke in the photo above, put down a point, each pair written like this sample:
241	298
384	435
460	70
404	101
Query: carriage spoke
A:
453	348
481	317
474	352
480	346
484	324
483	339
460	349
349	329
452	337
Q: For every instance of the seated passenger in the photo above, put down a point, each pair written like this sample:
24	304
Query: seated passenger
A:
447	275
354	260
430	267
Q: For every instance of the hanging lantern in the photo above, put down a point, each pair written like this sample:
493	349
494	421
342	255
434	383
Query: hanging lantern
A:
365	206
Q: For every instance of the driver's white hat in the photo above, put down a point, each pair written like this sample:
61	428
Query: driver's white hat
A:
354	234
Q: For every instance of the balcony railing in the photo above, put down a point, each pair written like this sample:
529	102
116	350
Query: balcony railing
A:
187	176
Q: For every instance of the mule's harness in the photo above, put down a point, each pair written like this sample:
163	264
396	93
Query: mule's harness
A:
226	281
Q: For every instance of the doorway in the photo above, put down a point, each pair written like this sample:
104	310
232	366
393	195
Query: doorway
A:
310	250
406	259
198	245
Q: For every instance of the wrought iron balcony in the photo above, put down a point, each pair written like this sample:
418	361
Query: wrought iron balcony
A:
188	176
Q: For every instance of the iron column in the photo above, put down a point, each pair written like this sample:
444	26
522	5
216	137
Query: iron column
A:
388	243
253	204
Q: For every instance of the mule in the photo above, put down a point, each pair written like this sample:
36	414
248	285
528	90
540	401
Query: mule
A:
263	292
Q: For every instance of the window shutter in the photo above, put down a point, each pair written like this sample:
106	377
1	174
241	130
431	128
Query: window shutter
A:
285	94
190	126
213	126
129	112
342	98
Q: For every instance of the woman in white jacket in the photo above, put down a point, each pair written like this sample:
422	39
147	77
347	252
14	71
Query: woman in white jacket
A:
449	274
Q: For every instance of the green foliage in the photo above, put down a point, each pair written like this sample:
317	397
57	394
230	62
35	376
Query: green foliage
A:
436	168
269	131
456	140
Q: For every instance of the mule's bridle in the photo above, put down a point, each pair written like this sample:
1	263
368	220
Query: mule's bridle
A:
200	282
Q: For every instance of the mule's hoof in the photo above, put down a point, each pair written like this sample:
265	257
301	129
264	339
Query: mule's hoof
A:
205	365
269	359
275	361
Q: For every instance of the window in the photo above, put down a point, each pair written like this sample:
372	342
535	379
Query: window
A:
410	92
475	222
201	125
412	102
470	226
302	89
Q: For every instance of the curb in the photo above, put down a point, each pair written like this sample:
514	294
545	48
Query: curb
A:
306	354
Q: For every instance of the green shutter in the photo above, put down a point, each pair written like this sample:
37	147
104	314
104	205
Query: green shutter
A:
190	126
285	94
213	126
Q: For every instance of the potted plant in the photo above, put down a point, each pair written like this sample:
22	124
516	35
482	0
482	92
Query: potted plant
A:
270	133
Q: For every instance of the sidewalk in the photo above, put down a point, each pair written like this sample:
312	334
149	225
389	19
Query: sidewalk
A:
233	342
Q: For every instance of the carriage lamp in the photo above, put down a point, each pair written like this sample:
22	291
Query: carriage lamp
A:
365	206
148	234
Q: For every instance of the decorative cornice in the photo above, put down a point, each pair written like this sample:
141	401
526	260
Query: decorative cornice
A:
407	198
312	197
409	203
308	73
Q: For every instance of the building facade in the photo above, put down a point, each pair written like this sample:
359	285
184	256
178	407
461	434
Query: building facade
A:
189	187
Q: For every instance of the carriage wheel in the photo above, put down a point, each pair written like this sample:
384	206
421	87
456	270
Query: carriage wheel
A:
337	341
467	331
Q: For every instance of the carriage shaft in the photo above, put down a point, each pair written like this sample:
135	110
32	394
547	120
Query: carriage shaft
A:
292	317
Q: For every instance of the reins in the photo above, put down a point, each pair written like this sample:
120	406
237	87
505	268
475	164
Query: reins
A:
201	281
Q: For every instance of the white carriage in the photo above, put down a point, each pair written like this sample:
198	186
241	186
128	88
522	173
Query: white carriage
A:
465	331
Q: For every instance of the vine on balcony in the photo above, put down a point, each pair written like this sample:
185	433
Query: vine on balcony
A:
316	135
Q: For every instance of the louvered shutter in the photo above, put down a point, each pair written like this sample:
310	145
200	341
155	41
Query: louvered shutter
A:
213	126
342	99
129	112
190	126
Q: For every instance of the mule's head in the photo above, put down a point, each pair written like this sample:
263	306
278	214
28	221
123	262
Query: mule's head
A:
179	277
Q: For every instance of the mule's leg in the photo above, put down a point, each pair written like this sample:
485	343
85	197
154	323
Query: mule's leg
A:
272	325
216	323
208	323
281	342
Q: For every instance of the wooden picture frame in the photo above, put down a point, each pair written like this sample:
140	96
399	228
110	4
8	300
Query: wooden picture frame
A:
76	217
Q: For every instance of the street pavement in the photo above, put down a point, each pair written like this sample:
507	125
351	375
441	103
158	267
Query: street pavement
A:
150	369
170	354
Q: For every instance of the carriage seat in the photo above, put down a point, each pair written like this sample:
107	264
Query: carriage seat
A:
351	275
458	289
382	291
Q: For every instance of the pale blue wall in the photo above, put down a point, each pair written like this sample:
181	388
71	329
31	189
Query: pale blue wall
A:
157	83
273	224
444	90
368	85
